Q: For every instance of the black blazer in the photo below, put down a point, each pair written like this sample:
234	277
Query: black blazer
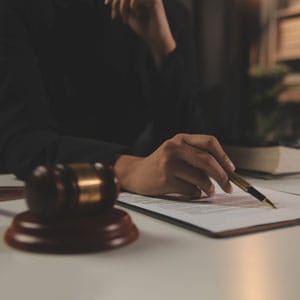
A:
75	85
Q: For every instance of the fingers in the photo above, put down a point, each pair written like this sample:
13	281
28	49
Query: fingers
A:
124	9
119	7
136	4
115	8
212	145
194	176
177	149
208	164
206	153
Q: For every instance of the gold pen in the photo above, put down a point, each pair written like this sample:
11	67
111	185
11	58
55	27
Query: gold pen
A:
247	187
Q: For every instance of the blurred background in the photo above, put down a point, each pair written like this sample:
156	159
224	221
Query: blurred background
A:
248	56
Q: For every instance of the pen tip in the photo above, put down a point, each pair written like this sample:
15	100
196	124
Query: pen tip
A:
267	201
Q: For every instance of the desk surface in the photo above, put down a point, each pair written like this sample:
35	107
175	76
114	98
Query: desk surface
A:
166	262
288	184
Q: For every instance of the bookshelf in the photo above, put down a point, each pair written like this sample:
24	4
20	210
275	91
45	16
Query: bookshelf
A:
288	50
288	34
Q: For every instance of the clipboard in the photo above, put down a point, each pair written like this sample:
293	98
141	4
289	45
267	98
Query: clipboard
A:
211	234
277	223
8	193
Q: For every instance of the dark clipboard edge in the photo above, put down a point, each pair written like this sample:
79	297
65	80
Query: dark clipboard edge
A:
11	193
221	234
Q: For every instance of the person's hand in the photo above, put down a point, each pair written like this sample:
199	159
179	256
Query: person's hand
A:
147	18
183	165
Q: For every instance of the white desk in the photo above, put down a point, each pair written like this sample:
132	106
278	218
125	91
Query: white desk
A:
166	262
288	184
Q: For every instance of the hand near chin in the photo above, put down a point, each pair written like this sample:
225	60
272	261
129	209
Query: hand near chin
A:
147	18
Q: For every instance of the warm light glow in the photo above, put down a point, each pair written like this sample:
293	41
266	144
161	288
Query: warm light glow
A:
253	271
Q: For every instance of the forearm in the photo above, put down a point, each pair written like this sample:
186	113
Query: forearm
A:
43	147
159	38
147	18
161	48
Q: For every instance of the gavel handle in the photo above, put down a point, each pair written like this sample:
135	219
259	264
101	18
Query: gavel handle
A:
9	193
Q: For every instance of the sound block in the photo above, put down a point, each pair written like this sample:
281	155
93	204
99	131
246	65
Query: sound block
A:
81	234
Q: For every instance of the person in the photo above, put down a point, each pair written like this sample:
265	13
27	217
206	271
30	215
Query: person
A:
115	82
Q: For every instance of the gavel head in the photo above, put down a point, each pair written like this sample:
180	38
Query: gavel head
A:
71	189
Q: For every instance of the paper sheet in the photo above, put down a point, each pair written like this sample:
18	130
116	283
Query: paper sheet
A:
224	211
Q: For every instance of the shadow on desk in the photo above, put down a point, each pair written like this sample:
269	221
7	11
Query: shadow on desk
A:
7	213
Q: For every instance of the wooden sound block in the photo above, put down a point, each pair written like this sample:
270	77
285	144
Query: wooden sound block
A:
81	234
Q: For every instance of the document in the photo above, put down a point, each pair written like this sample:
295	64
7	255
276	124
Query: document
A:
9	180
224	214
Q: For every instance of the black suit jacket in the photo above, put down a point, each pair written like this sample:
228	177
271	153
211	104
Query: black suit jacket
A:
75	85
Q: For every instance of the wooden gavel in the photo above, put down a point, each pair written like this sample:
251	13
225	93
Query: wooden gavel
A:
71	211
81	188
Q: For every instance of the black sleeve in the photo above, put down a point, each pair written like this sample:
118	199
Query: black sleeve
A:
174	90
28	133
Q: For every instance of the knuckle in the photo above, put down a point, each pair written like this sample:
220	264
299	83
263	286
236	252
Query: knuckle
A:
178	139
169	146
166	148
211	141
179	136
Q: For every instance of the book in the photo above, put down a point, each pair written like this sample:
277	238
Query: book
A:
292	79
224	215
288	34
274	160
291	92
290	95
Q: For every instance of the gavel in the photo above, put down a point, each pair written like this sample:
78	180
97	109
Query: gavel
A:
78	189
71	210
